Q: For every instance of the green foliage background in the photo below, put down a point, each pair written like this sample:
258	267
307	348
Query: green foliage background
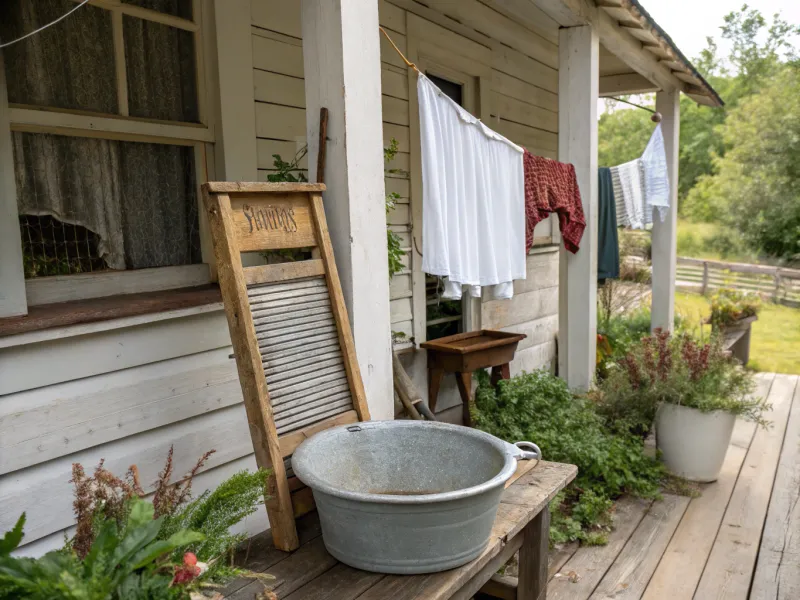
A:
740	164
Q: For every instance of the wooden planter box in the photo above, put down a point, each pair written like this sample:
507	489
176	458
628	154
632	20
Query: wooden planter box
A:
736	338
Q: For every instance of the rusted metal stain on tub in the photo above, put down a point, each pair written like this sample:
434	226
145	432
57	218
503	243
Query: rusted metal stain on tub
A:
270	218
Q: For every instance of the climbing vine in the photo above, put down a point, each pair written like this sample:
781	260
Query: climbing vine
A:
292	171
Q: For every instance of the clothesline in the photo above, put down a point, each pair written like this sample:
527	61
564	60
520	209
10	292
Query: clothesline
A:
403	56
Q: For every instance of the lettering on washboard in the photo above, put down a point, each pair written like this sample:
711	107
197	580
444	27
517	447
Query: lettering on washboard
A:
270	218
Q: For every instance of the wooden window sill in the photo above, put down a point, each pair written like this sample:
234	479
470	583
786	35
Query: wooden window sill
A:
81	312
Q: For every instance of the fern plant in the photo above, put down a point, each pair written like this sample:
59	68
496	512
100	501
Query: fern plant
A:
124	562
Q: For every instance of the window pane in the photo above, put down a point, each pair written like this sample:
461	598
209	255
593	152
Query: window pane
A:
129	204
178	8
69	65
159	205
161	71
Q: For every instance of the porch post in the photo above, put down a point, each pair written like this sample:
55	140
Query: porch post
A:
665	235
578	90
341	58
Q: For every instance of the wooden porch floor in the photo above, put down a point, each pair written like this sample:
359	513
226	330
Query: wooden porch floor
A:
740	539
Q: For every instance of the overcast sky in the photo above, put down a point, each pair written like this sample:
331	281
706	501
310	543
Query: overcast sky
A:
689	22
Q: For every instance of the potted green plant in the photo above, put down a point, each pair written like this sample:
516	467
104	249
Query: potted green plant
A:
692	390
732	316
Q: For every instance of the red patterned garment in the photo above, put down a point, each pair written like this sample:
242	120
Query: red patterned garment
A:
552	187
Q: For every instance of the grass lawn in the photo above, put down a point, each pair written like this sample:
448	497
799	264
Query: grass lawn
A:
712	242
775	343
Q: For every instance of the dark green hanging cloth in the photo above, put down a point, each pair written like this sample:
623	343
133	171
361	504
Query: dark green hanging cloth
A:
607	235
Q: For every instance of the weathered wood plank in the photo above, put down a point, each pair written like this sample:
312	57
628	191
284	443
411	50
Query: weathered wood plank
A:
532	580
248	363
777	574
339	309
628	576
681	567
258	554
164	394
732	561
283	271
341	582
306	564
591	563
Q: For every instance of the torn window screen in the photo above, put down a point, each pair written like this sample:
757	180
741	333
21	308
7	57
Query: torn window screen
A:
139	199
52	247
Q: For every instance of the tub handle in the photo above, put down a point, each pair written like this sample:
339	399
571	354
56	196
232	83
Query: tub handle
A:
529	451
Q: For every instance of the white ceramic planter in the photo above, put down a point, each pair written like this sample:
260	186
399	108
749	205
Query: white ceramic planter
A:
693	443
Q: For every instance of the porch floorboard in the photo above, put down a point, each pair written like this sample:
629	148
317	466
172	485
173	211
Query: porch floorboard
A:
740	539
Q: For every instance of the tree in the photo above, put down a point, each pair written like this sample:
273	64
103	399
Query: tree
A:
756	184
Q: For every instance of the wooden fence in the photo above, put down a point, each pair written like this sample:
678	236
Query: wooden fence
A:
703	276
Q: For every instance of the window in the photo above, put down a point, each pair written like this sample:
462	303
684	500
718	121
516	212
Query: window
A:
443	317
108	133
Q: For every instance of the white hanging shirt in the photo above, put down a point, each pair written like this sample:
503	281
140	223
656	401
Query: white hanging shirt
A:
656	176
473	206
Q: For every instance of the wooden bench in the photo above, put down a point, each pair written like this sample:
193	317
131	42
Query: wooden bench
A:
522	524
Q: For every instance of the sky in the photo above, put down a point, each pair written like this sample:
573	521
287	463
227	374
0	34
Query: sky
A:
689	22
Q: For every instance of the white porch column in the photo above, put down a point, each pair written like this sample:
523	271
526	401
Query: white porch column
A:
665	235
341	57
578	88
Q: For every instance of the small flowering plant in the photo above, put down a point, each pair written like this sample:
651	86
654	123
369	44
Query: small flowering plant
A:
676	369
729	306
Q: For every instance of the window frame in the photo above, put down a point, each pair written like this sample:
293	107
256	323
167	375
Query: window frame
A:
122	127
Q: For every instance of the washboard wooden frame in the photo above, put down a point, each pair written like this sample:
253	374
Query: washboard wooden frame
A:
278	345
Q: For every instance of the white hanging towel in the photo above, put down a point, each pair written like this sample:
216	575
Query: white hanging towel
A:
629	190
656	176
473	199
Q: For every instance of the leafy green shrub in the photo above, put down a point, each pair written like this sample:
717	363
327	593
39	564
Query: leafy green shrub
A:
678	370
539	407
125	562
729	306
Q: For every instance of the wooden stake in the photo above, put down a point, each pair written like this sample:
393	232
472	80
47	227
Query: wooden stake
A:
323	144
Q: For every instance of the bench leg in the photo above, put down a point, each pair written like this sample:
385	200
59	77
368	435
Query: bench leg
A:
533	558
464	381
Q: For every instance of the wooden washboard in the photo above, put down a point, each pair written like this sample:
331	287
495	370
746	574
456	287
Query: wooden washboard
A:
289	327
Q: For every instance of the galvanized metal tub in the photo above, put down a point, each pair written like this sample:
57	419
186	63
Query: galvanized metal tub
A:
406	496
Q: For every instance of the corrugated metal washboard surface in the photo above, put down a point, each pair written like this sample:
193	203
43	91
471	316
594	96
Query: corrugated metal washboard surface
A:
300	351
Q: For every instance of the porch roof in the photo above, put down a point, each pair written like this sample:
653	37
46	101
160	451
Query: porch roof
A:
656	40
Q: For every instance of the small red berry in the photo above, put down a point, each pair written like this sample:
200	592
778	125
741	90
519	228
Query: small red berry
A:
189	559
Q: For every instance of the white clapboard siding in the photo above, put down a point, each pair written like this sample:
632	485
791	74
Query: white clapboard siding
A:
536	357
524	91
208	479
498	314
514	63
44	491
277	15
279	89
511	109
539	331
40	425
394	82
46	363
277	56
